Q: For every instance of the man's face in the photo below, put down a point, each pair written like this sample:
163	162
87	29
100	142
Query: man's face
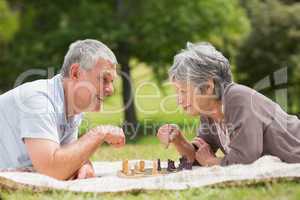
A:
189	97
93	86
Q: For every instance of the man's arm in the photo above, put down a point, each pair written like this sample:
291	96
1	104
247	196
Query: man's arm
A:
62	162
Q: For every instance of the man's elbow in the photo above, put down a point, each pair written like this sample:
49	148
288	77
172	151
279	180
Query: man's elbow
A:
53	172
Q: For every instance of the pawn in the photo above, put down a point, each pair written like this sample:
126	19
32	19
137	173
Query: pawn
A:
158	165
125	167
142	166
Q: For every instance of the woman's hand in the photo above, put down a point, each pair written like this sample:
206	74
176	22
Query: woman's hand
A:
169	133
204	155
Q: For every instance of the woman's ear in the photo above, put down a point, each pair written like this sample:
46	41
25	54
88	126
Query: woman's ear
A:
210	87
74	71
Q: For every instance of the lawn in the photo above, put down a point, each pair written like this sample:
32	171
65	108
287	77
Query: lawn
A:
152	111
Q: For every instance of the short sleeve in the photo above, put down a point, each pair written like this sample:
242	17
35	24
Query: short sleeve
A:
38	118
72	130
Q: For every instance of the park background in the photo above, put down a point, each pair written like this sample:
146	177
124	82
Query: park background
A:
259	37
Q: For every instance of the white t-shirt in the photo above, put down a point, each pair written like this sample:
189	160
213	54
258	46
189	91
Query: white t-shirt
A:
33	110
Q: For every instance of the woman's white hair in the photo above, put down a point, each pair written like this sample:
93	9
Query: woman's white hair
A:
86	53
199	63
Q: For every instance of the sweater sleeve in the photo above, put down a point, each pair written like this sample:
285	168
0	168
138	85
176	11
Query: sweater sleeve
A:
246	133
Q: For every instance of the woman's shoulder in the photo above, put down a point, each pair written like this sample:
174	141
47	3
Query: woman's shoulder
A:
237	94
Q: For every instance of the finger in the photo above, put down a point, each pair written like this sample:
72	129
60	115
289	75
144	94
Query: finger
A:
197	143
200	140
91	173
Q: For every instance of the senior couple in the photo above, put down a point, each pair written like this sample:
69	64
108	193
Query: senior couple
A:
39	120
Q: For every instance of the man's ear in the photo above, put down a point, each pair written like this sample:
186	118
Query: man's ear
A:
74	71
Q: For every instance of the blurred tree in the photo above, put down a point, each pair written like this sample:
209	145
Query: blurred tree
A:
8	22
149	31
272	45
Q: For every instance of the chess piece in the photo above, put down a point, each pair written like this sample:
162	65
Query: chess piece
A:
154	168
182	163
158	165
142	166
171	166
125	167
188	166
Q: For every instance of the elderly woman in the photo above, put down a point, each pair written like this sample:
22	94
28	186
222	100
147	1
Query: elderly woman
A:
241	122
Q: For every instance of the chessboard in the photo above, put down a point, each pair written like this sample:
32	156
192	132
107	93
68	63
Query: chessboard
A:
139	170
146	173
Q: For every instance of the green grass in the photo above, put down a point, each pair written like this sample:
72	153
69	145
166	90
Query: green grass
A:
278	191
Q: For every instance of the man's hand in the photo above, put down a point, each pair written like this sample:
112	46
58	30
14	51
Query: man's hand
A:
111	134
204	155
169	133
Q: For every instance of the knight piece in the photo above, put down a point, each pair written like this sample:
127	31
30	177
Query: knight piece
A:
182	163
171	165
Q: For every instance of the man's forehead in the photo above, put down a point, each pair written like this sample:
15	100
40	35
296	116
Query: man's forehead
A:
108	72
107	68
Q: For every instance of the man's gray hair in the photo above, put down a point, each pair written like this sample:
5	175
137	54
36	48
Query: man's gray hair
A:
86	53
200	62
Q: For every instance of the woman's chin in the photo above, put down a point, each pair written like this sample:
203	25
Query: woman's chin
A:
191	112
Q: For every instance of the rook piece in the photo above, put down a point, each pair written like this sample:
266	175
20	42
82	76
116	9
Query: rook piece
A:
188	165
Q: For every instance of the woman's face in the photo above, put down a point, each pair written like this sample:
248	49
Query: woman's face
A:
192	100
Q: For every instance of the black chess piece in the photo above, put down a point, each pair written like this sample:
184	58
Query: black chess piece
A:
188	166
171	165
182	162
158	165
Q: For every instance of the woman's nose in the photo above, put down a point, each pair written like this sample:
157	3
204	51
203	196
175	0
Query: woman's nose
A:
109	90
179	100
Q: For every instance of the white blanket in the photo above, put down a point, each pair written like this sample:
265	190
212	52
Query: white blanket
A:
265	168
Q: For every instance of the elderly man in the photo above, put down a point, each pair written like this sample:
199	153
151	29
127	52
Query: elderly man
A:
39	120
241	122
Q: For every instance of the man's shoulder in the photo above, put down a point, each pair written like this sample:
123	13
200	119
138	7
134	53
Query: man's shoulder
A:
39	94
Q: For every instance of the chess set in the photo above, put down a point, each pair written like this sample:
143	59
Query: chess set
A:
139	170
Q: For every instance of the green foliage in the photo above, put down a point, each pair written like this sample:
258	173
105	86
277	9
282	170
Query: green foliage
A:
273	44
151	31
8	22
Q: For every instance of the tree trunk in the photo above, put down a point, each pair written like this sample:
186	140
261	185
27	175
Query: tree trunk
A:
130	117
